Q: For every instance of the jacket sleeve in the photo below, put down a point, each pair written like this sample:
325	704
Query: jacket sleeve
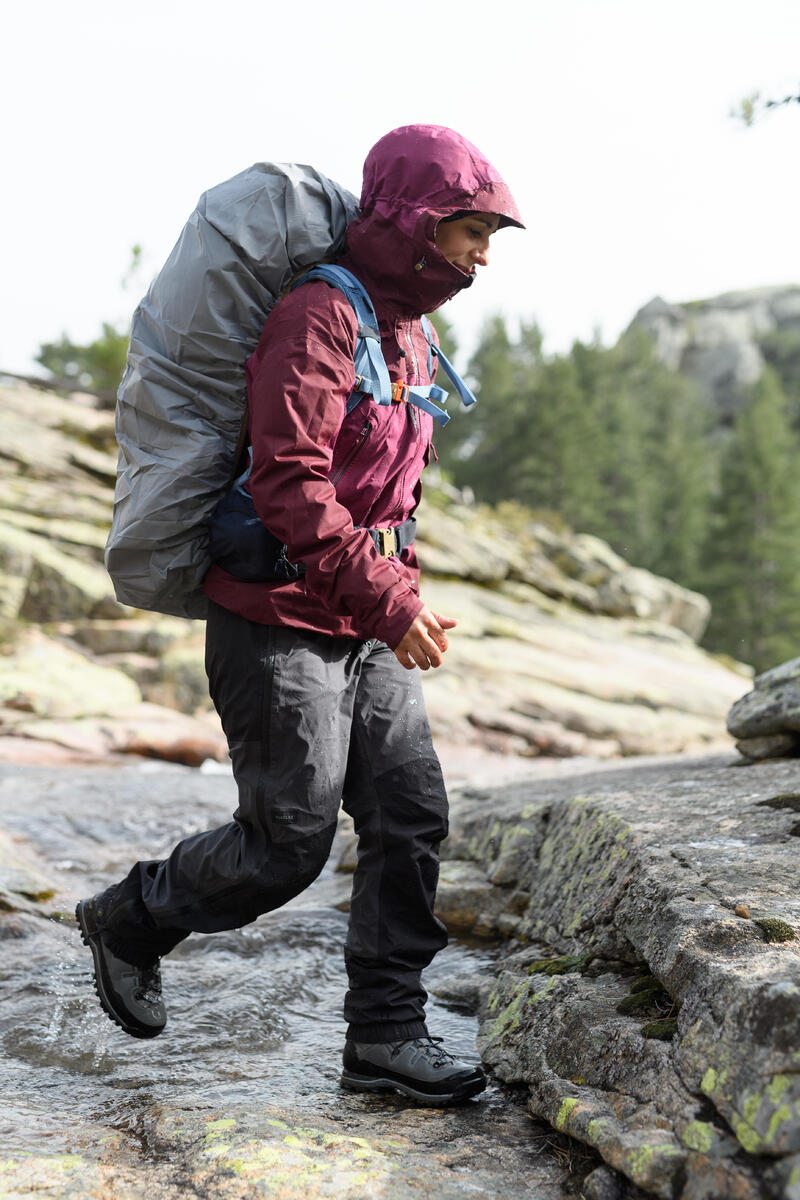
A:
299	380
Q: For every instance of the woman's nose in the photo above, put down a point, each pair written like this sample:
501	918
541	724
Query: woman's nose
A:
481	256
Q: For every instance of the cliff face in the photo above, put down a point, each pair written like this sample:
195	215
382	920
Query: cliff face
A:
562	647
718	342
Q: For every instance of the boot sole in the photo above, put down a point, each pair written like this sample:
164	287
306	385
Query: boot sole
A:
89	939
368	1083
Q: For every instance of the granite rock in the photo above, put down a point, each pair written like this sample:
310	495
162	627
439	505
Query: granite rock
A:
647	1018
766	721
716	342
563	649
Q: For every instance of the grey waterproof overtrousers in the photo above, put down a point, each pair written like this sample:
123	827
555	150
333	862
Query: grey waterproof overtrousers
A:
310	720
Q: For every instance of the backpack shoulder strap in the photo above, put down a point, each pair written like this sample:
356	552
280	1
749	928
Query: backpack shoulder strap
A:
467	395
372	375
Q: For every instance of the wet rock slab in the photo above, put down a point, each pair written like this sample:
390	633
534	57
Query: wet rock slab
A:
652	999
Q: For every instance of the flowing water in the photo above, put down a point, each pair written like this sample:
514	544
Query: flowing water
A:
255	1022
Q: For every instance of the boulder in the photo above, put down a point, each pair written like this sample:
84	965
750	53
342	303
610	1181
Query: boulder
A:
561	681
476	544
45	678
41	583
182	682
149	730
70	535
779	745
147	633
72	440
22	878
766	721
650	999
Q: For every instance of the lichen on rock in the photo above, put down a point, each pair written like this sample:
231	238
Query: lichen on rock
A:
673	1049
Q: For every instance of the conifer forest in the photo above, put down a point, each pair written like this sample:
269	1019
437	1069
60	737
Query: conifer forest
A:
611	442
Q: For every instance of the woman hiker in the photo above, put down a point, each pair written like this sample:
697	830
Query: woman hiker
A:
314	677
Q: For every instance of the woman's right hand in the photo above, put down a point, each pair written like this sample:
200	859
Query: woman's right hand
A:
425	641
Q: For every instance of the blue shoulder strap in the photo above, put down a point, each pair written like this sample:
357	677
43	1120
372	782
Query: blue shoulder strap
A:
372	375
370	365
467	396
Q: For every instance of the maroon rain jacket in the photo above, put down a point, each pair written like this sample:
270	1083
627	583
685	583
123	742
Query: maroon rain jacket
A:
318	473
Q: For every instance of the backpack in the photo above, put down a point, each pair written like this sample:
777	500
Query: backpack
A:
182	400
238	541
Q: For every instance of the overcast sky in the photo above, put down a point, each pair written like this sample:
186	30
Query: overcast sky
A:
610	120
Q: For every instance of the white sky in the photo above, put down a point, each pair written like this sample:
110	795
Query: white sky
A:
609	119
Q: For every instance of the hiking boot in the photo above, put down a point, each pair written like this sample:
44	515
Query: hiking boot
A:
419	1068
130	994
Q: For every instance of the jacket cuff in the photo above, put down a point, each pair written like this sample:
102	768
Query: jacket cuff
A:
398	616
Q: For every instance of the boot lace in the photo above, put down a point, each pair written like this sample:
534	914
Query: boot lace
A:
428	1047
149	989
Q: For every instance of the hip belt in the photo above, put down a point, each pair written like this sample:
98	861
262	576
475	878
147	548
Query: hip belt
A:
241	544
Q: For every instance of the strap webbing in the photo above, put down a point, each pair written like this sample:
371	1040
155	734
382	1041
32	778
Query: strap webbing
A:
372	375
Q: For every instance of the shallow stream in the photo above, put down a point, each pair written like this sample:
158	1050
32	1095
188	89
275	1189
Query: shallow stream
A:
254	1034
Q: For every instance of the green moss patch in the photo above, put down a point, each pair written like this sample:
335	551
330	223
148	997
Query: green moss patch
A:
663	1031
566	964
789	800
647	994
776	930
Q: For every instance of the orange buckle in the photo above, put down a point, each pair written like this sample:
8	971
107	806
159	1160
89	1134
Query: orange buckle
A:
400	392
387	543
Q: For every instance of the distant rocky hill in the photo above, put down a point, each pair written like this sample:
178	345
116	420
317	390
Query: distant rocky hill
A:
562	647
720	342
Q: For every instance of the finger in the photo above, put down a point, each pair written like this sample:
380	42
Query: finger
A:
436	635
404	658
431	651
440	638
429	627
417	653
446	622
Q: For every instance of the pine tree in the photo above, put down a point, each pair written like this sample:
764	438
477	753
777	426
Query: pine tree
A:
447	338
473	449
751	571
555	463
652	457
97	365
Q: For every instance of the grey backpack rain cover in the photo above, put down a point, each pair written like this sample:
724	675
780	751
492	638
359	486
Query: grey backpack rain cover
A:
182	399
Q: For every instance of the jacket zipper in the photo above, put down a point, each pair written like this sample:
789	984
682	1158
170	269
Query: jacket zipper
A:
414	363
415	369
366	430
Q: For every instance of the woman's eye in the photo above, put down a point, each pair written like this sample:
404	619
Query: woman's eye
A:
476	233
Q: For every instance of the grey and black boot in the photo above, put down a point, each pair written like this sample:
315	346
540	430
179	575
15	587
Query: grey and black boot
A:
420	1068
129	994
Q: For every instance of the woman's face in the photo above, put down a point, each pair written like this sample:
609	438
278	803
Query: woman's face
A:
465	242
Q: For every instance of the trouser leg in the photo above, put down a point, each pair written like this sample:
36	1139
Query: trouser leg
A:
395	793
285	699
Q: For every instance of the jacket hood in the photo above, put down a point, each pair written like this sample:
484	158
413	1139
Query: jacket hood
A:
413	177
